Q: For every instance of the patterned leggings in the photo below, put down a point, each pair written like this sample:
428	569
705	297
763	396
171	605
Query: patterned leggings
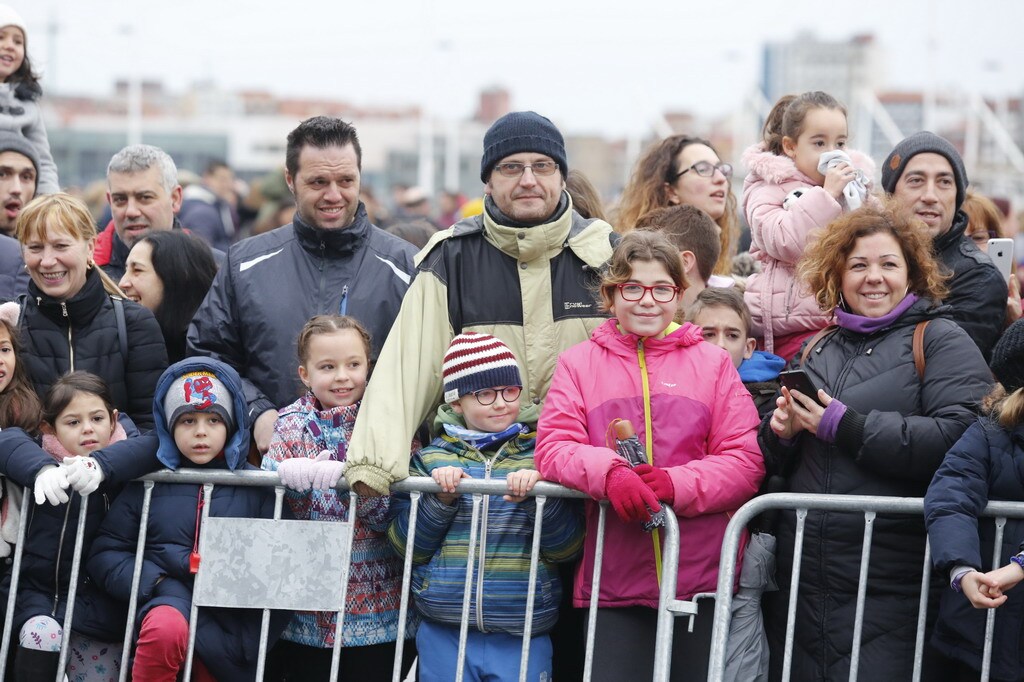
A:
88	660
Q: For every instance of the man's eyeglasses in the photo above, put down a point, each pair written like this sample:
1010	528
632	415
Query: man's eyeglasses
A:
706	169
661	293
487	396
513	169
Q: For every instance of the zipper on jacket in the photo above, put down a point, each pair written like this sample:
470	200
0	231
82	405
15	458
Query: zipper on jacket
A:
60	547
322	267
343	306
649	445
71	347
488	463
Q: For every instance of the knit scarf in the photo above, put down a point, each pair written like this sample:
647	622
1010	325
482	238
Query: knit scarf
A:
481	440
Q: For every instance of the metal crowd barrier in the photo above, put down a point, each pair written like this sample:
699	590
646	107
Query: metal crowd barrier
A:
263	542
870	507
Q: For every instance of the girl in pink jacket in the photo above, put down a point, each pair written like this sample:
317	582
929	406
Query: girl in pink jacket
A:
801	178
697	425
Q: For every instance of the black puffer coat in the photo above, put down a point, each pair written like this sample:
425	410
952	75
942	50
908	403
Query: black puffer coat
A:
893	437
987	463
977	291
81	334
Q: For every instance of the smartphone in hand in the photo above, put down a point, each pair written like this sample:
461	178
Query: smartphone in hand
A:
1001	252
797	380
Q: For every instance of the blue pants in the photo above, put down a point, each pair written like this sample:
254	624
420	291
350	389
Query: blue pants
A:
490	656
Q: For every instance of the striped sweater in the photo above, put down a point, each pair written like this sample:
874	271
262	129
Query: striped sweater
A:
372	604
442	541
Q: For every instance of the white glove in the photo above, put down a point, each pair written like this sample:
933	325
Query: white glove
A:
51	486
326	472
83	474
296	473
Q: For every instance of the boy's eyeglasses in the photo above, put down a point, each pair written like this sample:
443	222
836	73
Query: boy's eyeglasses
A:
514	169
487	396
661	293
706	169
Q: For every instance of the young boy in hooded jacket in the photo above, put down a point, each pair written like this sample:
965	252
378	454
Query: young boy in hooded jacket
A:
199	410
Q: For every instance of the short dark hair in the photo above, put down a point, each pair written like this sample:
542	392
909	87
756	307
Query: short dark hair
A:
689	229
729	298
186	267
320	132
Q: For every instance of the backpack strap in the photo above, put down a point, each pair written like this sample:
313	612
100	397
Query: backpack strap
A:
919	359
814	342
122	327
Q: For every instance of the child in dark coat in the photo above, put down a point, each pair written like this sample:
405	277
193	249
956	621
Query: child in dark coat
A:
199	409
987	463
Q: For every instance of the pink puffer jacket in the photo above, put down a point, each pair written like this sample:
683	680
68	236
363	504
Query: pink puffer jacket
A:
705	436
778	302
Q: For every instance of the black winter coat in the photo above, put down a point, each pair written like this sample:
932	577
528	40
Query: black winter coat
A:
81	334
987	463
227	640
890	442
271	284
977	291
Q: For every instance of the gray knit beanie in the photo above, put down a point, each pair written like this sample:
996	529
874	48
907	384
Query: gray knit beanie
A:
199	392
522	131
1008	357
920	143
16	142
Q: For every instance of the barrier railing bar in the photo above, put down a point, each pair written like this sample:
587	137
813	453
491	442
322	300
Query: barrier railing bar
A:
794	583
467	593
133	598
531	592
403	609
76	566
862	590
922	610
990	617
595	590
194	612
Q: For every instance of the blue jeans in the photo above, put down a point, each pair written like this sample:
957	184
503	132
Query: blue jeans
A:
490	656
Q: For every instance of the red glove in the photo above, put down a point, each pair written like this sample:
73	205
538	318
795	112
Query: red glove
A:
658	480
631	498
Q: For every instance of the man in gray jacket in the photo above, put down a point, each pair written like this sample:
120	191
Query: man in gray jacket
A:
19	175
330	259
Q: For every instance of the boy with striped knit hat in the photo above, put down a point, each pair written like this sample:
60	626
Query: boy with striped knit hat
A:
483	435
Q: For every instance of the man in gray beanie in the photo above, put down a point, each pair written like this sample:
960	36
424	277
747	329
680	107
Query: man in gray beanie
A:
19	174
522	271
925	175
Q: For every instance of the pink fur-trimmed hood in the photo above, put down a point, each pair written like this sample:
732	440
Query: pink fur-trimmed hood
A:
777	169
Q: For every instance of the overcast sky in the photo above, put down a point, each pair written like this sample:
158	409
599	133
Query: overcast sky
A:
591	65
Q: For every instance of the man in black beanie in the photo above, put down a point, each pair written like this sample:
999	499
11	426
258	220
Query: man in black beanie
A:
523	271
926	176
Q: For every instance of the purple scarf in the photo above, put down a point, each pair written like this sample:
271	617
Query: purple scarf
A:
870	325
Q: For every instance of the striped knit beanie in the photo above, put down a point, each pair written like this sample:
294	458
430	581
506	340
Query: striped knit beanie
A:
477	361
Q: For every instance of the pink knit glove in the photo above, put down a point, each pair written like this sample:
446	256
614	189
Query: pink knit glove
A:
659	481
297	473
326	472
631	498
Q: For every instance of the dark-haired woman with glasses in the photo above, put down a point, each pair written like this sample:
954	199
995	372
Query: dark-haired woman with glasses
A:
683	170
696	429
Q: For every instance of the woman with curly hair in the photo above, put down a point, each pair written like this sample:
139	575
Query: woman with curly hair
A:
683	170
884	416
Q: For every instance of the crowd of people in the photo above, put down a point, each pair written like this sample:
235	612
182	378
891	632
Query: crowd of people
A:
875	350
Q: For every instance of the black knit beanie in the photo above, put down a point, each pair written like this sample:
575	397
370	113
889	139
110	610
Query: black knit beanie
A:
1008	357
522	131
920	143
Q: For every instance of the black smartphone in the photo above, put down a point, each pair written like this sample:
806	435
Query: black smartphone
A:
797	380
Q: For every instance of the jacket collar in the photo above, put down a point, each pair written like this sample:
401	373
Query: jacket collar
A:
608	336
954	235
81	307
528	243
338	241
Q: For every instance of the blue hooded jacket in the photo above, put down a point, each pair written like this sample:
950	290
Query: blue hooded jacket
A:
226	639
